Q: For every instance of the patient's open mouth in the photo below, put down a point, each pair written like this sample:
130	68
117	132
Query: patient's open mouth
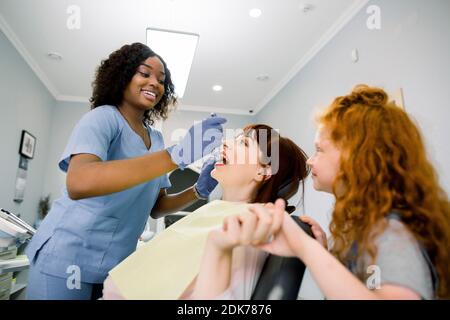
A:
222	161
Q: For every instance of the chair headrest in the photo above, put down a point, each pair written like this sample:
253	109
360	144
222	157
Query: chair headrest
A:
287	191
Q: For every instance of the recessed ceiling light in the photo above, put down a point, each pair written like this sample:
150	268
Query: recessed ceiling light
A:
306	7
255	13
217	88
262	77
54	56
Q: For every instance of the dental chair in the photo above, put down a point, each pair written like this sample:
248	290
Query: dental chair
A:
281	277
180	180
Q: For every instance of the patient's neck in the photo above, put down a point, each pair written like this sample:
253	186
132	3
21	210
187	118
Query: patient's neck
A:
238	193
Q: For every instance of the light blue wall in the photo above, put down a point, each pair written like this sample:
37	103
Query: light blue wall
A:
25	104
410	51
65	117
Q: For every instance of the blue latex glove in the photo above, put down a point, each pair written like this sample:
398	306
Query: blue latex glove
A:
205	183
199	141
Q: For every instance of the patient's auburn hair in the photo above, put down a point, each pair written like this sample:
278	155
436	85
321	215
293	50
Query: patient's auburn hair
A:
292	167
384	168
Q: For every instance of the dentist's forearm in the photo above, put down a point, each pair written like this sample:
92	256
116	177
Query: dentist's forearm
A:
170	203
88	176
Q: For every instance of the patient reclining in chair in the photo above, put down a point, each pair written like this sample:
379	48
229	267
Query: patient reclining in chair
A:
183	258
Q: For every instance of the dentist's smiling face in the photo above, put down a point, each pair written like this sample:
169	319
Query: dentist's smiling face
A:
146	88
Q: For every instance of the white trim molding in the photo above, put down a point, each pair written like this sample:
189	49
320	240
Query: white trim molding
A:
185	107
72	99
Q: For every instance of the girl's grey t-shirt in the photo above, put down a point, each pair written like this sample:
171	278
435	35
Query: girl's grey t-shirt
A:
400	261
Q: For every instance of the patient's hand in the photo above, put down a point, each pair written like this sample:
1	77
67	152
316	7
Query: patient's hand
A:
226	238
250	228
289	238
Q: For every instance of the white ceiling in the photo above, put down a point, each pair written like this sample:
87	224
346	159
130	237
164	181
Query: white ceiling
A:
233	47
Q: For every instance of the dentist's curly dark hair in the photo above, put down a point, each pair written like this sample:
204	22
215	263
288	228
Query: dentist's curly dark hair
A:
115	73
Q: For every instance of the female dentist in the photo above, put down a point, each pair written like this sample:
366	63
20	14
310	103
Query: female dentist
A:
116	166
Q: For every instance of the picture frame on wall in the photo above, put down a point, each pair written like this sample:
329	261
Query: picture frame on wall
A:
27	145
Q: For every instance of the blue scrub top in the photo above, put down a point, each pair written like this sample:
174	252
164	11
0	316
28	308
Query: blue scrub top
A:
97	233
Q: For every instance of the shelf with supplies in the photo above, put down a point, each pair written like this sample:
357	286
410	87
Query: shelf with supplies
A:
18	263
13	274
14	232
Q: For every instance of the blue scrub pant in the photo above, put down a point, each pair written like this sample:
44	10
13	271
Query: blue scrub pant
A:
42	286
